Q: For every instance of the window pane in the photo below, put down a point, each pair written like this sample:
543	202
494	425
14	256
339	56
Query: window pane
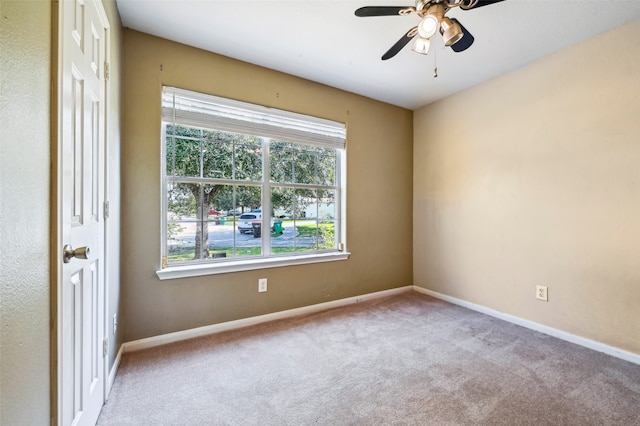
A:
248	239
217	199
224	201
215	232
308	222
283	237
186	225
305	215
326	167
248	197
248	159
221	223
294	163
326	209
281	157
183	155
217	155
170	148
306	164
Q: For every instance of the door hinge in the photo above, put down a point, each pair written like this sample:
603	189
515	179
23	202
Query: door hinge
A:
106	209
106	70
105	346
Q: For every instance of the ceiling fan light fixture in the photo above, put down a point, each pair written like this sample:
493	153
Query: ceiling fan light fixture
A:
451	32
421	45
428	26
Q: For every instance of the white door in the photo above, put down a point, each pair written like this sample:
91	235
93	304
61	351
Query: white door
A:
81	293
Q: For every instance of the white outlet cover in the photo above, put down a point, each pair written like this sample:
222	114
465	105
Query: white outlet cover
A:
262	285
541	293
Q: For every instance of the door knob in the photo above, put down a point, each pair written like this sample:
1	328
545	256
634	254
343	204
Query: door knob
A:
69	253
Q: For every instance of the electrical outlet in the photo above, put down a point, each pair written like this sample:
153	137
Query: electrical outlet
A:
541	293
262	285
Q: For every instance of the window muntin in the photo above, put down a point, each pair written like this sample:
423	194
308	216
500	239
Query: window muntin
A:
209	169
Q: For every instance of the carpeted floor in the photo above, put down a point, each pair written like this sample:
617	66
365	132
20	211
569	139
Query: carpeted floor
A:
407	359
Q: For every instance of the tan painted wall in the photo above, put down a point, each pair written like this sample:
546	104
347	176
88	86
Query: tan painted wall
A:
25	61
537	181
379	196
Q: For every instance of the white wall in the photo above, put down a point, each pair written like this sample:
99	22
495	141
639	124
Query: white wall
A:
25	43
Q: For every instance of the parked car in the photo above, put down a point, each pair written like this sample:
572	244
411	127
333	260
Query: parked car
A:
214	212
245	220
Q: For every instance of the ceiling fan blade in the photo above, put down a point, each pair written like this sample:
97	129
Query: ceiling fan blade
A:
465	42
482	3
380	10
404	40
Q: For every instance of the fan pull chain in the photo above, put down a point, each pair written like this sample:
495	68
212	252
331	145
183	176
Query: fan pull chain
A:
435	63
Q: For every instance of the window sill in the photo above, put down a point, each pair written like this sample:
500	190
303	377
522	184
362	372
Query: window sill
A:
186	271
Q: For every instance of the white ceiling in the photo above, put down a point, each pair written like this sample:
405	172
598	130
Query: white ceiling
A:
323	41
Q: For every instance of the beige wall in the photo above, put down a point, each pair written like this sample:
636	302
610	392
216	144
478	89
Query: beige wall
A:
379	196
25	61
536	180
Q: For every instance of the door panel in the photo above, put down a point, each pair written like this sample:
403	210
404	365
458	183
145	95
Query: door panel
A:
81	333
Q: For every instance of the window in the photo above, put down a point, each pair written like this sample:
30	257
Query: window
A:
248	187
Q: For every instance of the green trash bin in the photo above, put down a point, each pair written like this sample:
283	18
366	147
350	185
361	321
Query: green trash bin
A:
223	221
277	227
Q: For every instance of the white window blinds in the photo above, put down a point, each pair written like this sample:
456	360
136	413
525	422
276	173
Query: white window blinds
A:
188	108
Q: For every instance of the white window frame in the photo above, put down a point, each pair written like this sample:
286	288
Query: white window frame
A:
208	111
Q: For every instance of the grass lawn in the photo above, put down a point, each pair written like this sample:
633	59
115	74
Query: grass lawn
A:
310	230
187	255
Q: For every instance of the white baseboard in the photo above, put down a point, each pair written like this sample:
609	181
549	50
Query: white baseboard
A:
164	339
563	335
113	372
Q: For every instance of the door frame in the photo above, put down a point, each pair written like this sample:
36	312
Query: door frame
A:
56	242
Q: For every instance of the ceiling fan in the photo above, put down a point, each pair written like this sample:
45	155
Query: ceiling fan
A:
433	21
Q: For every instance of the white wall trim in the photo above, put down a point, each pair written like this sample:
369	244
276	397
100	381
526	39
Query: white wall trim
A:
164	339
114	371
563	335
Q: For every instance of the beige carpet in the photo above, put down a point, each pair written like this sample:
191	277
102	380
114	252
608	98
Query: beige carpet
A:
403	360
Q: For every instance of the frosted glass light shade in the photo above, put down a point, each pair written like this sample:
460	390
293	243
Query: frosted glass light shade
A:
421	45
428	26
